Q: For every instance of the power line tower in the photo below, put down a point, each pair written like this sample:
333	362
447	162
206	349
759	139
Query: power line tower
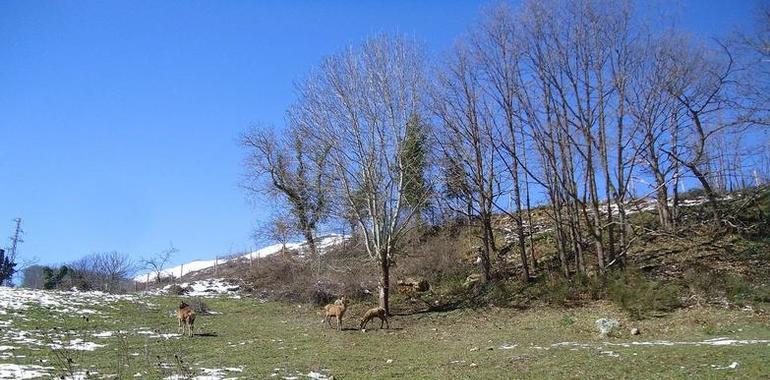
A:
16	239
12	251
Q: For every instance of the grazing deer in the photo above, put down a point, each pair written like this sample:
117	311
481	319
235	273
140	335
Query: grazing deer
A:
376	312
186	317
337	310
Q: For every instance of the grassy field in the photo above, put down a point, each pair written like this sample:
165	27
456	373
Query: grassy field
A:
248	339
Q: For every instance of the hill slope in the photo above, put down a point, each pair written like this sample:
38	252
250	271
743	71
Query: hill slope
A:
179	271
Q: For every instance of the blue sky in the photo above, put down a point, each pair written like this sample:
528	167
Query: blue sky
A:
119	120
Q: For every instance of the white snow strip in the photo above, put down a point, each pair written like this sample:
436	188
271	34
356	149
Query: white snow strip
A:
20	371
733	365
322	243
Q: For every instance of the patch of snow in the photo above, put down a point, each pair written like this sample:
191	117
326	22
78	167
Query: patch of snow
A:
602	347
610	354
77	345
214	287
733	365
152	334
20	371
65	302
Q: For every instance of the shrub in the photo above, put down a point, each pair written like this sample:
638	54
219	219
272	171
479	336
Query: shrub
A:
199	306
435	257
640	296
567	320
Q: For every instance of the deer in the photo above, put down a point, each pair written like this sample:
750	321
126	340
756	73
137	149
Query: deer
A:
376	312
186	317
336	310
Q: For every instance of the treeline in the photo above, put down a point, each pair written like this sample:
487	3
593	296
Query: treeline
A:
575	105
106	271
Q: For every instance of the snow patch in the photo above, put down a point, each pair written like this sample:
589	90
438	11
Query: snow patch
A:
20	371
322	243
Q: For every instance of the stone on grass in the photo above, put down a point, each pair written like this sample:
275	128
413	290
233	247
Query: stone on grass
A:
635	331
605	326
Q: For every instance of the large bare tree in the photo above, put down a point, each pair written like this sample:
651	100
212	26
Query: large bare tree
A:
465	139
359	103
295	171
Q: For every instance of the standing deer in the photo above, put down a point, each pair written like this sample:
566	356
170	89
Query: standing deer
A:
186	317
337	310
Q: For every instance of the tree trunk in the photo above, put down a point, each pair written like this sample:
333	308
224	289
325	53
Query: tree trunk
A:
385	282
314	256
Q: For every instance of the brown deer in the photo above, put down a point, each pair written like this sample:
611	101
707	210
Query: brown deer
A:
376	312
337	310
186	317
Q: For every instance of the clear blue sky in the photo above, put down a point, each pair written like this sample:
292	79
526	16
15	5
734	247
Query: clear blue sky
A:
119	119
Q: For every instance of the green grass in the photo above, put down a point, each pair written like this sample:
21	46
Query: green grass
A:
463	343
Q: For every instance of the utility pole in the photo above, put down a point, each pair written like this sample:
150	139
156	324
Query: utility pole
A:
16	239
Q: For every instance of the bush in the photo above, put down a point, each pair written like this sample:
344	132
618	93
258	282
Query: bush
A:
199	306
289	277
178	290
640	296
714	284
435	257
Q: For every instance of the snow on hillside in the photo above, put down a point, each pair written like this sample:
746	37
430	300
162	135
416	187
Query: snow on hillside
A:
322	243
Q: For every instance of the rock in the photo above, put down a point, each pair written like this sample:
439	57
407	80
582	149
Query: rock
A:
474	365
490	348
389	361
606	326
412	285
474	349
635	331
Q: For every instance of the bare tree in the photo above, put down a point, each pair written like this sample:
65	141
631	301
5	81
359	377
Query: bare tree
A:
280	228
359	103
463	112
105	271
157	262
295	171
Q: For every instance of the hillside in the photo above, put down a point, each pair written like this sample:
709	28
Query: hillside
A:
692	304
190	268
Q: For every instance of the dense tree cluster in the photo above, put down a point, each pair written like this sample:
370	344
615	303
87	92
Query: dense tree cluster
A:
575	105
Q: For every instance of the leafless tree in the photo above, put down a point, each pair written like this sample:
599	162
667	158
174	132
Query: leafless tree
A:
359	103
497	48
279	228
104	271
295	171
465	139
157	262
